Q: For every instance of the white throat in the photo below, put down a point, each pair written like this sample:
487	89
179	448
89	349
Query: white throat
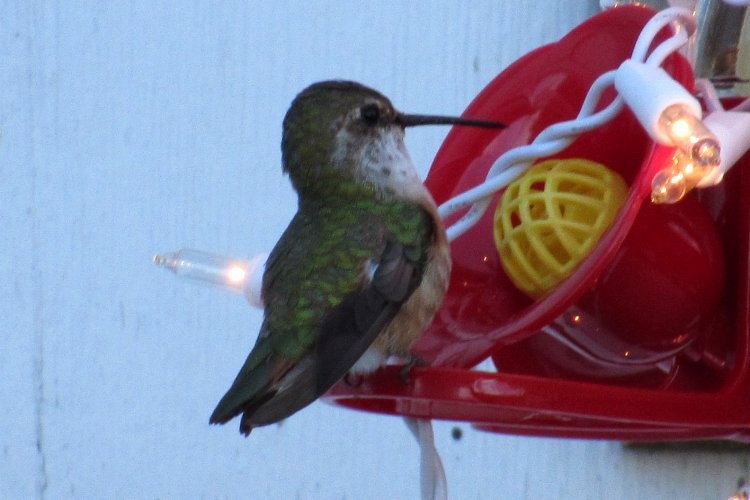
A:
384	162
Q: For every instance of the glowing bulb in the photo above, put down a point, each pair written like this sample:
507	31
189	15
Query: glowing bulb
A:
733	130
667	111
233	274
668	186
693	170
672	183
678	128
236	274
203	266
688	133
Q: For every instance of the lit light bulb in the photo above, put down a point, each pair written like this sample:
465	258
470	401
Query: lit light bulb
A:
237	275
667	111
668	186
733	130
672	183
690	135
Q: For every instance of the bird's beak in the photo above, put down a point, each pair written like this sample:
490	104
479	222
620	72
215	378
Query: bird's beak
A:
413	120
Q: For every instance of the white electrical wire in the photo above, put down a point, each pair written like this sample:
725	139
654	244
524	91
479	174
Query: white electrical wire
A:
434	485
707	91
558	136
675	16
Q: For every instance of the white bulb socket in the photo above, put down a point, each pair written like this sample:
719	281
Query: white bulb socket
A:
254	284
649	91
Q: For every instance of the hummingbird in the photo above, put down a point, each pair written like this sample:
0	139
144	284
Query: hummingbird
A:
363	265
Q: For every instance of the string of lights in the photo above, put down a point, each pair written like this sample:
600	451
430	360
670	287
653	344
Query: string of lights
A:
668	112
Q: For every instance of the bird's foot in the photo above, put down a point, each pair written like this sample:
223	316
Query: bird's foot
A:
411	362
353	379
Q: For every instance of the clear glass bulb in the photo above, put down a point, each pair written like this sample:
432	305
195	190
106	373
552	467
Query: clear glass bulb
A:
693	170
690	135
203	266
237	275
672	183
668	186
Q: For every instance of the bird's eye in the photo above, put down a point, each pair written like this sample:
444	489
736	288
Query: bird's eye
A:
370	114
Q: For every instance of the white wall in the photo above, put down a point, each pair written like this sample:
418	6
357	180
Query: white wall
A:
128	128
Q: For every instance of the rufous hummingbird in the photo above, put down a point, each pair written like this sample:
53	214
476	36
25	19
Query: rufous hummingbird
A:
364	264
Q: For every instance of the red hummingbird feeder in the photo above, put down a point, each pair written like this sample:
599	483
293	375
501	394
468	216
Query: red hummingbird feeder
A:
646	339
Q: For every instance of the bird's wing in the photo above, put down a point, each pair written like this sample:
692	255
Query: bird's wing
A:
349	329
345	334
273	385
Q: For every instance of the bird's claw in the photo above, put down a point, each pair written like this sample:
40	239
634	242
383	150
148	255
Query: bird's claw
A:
353	379
405	371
